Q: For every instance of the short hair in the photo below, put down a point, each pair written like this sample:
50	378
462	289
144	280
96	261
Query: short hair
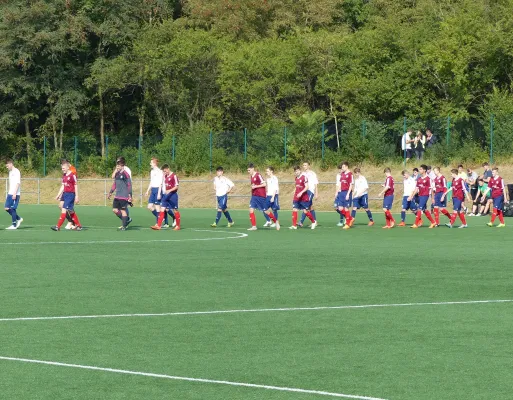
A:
436	169
387	170
296	167
404	172
485	164
219	169
424	167
8	161
251	165
356	170
270	168
165	166
480	180
429	167
64	161
306	162
346	164
460	166
339	166
155	160
415	169
454	171
122	159
495	169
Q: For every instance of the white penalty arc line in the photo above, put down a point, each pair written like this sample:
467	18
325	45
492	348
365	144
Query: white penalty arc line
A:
257	310
240	235
187	379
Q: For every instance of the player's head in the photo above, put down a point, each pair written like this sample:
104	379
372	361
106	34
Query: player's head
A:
251	168
423	169
219	171
480	182
454	173
486	166
154	162
436	170
495	172
269	171
428	168
387	171
345	166
405	174
166	168
65	166
297	170
9	164
306	165
460	168
356	171
415	171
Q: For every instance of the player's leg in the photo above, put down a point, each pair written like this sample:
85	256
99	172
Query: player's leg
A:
295	208
8	209
428	214
457	207
368	211
124	216
405	207
499	204
267	219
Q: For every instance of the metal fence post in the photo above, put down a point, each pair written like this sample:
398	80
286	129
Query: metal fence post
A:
285	143
492	125
38	191
364	128
173	149
44	156
322	144
75	139
140	153
245	144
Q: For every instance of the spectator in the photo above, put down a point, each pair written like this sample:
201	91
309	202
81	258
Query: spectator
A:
482	200
430	139
406	142
415	174
487	173
472	182
419	143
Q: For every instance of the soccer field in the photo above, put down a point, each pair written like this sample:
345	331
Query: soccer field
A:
224	313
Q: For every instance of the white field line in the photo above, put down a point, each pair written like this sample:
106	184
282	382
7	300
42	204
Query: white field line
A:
183	378
240	235
257	310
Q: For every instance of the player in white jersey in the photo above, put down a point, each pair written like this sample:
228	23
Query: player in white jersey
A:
222	186
13	195
409	185
272	198
312	191
361	195
154	190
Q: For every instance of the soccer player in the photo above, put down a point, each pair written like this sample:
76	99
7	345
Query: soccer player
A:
258	196
273	193
170	199
409	186
423	189
68	194
361	195
499	195
222	186
481	203
70	225
312	192
123	187
345	193
154	188
13	195
440	187
129	172
459	192
301	200
388	199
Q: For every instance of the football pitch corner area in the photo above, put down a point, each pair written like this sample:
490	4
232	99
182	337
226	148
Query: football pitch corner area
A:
222	313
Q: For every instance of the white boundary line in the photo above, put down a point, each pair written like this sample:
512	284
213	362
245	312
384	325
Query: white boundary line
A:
182	378
240	236
257	310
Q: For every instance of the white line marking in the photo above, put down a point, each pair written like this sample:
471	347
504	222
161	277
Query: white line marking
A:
182	378
257	310
240	235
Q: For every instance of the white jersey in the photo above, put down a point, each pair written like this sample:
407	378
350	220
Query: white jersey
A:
410	185
272	186
222	185
361	186
312	180
432	176
156	177
14	180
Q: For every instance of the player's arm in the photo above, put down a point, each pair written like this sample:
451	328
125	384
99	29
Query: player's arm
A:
415	191
230	185
149	188
447	192
129	186
505	191
76	190
16	187
61	190
385	188
112	189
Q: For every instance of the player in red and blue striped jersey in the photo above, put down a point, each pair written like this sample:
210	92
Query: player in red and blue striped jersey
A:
459	192
258	196
68	195
301	200
423	189
169	198
439	188
345	193
499	195
388	199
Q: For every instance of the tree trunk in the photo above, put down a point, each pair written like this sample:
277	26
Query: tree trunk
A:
141	111
28	139
102	121
336	123
54	129
61	135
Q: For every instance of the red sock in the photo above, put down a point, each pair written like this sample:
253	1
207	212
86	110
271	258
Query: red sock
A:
61	220
462	217
271	215
453	217
446	213
437	216
177	218
494	215
419	218
389	216
310	216
294	218
428	215
74	217
252	219
347	214
162	215
501	216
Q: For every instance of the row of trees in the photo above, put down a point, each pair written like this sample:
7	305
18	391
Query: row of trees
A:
162	68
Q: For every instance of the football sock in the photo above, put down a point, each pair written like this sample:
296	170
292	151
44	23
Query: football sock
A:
446	213
275	212
428	215
171	213
303	217
501	216
124	218
127	211
310	216
389	216
369	214
177	218
437	216
161	218
267	219
68	217
74	217
453	217
155	213
462	218
353	213
61	220
272	217
313	215
252	218
494	215
228	217
14	216
218	217
419	218
294	218
403	215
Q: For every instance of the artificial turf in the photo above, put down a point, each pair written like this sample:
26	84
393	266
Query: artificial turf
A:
452	351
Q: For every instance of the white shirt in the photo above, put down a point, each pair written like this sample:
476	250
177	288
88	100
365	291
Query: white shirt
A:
312	180
272	186
404	145
361	186
222	185
14	179
409	186
156	177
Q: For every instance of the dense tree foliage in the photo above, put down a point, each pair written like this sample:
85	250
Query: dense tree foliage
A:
163	68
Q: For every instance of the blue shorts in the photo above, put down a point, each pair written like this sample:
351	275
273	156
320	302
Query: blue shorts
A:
498	202
438	200
388	201
10	203
310	197
409	205
222	202
301	205
273	205
361	202
422	205
341	199
170	201
154	197
457	204
258	203
69	200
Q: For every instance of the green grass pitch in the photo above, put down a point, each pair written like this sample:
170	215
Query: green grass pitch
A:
451	351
